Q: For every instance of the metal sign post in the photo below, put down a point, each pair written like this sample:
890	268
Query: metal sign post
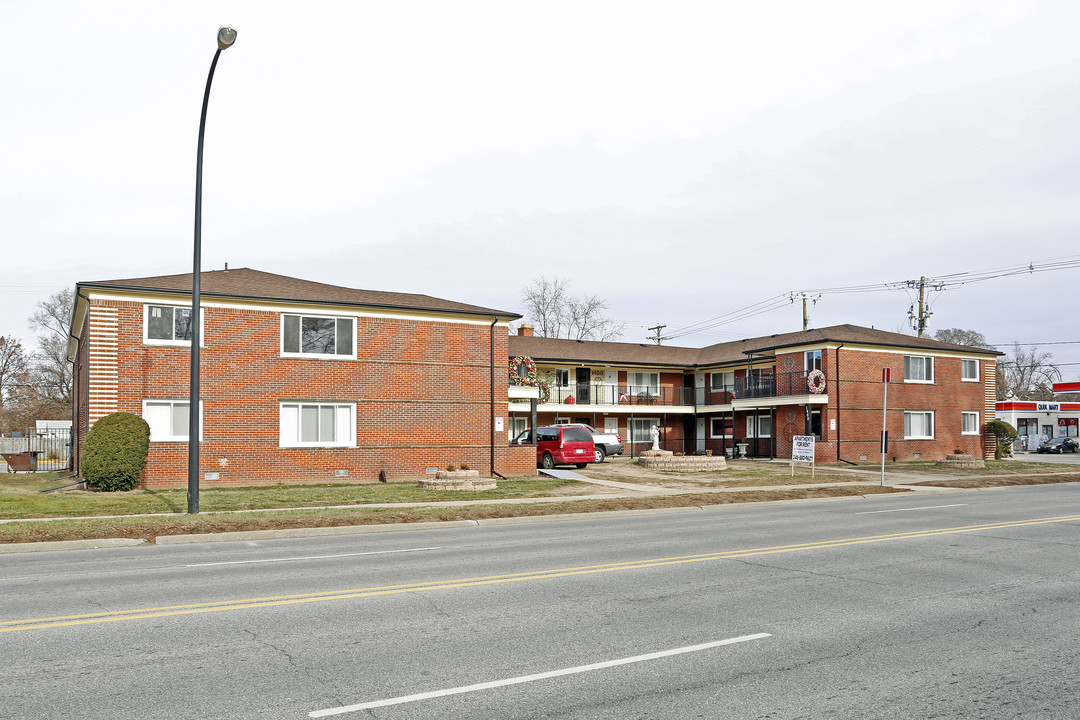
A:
886	376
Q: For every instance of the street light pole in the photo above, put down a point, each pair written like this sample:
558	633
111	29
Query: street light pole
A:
226	37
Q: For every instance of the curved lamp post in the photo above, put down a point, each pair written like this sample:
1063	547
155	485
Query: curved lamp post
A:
225	38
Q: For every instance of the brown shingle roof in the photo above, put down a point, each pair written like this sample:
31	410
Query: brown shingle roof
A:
554	350
257	285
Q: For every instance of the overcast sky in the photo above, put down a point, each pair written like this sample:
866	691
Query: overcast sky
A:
682	160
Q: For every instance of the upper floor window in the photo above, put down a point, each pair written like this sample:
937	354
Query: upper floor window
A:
644	382
722	380
918	368
318	336
167	325
969	370
813	360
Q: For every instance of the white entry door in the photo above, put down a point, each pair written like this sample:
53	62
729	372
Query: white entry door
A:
611	425
701	435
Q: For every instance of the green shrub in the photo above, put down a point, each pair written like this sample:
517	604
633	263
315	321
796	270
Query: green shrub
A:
115	452
1005	434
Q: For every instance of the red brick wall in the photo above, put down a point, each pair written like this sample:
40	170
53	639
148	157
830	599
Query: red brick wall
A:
858	407
422	394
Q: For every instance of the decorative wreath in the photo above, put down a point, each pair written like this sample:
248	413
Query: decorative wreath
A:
815	382
530	371
545	391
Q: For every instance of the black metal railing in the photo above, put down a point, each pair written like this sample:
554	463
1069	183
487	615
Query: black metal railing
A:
602	394
772	385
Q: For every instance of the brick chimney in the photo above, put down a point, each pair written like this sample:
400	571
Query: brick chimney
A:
525	330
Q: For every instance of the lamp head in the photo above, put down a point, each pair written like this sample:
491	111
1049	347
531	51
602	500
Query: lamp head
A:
226	36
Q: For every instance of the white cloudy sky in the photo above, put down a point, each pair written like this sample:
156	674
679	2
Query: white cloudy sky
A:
683	160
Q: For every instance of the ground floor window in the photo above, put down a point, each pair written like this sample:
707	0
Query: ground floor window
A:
721	426
168	419
1068	427
969	423
1027	426
919	425
762	428
641	429
317	424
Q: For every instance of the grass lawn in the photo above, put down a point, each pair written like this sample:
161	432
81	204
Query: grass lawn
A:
20	496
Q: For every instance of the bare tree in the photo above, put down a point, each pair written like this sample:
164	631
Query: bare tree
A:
1026	373
956	336
50	371
555	313
13	381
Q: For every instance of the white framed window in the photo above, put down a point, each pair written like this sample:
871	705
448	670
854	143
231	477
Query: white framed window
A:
969	423
168	324
562	377
562	421
720	427
722	380
644	382
641	429
518	425
168	419
969	370
764	426
918	368
317	424
813	360
918	425
318	336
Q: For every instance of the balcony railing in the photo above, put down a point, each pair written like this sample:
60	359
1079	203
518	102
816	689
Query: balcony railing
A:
601	394
766	385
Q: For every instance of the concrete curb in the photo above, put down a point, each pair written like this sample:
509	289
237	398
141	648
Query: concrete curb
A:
306	532
11	548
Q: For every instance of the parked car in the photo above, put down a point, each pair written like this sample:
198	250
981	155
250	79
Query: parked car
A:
606	443
563	445
1059	445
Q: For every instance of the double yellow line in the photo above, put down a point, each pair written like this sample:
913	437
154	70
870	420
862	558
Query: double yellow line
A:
276	600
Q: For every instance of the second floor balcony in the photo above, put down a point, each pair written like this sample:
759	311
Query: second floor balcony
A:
603	394
765	385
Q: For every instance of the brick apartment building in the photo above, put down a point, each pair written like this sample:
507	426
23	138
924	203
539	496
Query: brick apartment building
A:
753	395
300	381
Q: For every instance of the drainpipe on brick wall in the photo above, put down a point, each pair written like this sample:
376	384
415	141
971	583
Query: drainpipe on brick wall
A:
838	458
491	420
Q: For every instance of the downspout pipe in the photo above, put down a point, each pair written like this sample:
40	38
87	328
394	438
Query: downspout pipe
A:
491	420
838	425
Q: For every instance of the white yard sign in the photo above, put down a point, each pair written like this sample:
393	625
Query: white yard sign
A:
802	450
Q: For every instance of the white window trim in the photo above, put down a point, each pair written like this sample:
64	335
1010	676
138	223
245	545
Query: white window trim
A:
171	438
750	427
725	376
933	373
920	437
317	356
648	437
977	371
722	423
147	340
969	432
349	441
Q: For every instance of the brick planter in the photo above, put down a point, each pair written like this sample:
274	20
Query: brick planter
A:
458	480
961	460
680	463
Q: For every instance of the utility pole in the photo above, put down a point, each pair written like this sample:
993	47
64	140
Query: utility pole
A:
657	338
919	322
805	314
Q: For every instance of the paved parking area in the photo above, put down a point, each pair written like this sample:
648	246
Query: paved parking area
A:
1062	459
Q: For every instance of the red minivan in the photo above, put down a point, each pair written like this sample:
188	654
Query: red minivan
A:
564	445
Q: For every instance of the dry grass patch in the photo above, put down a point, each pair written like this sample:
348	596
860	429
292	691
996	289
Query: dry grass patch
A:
149	528
1000	481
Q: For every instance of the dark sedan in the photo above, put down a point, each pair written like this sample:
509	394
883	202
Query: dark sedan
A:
1059	445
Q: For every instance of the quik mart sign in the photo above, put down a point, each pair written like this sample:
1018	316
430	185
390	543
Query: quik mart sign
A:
1047	407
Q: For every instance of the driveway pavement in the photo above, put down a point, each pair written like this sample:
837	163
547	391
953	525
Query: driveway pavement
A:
1062	459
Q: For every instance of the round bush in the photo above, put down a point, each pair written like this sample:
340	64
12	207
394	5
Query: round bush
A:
115	452
1005	434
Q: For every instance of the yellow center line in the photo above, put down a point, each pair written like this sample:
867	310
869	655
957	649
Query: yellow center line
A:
278	600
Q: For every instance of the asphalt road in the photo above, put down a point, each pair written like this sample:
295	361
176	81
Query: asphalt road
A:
958	605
